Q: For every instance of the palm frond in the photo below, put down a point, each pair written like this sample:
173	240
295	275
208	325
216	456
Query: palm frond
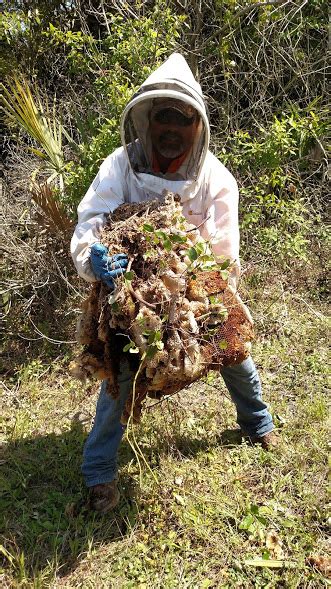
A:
55	217
20	106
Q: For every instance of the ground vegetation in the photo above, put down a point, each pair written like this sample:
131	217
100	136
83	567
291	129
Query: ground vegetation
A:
207	512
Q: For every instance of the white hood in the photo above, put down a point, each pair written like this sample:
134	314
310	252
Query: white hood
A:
173	79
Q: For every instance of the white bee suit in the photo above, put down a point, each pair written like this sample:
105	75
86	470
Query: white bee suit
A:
208	191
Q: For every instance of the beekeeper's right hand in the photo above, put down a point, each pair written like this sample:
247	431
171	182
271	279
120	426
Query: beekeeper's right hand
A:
105	267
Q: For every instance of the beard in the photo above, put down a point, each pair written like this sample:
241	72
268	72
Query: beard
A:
170	145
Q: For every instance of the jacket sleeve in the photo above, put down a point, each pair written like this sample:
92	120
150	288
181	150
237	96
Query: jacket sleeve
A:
104	195
221	209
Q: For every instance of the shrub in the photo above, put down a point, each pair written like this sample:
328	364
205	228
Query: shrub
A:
271	165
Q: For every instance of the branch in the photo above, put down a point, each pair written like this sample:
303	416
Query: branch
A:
246	10
250	7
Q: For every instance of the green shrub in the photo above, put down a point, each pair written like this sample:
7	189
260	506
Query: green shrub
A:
271	165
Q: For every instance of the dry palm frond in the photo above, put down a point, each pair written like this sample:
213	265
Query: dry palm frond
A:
44	197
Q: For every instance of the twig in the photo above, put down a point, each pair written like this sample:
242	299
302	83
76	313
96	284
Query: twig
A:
65	278
105	17
134	293
316	313
197	227
53	341
134	444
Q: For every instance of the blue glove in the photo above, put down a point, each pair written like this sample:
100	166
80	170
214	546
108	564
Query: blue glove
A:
106	267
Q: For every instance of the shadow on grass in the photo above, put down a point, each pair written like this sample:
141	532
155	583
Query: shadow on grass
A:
43	505
187	446
43	502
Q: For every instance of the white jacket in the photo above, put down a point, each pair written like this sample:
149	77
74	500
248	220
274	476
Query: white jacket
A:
207	189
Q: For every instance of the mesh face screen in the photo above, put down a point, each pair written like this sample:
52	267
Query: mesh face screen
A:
137	137
170	116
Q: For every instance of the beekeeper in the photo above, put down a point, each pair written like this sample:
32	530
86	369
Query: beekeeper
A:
165	139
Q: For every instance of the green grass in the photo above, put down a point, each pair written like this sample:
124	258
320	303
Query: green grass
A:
208	503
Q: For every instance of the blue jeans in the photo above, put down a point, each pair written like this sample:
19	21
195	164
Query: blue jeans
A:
100	451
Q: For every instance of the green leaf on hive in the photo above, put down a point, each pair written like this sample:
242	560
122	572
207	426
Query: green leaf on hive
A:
147	227
192	254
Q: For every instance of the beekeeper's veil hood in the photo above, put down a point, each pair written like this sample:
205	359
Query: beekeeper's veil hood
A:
174	80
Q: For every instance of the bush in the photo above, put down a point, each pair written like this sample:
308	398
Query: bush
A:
277	205
262	69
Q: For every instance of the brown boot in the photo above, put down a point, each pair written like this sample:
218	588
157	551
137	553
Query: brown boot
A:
268	442
104	497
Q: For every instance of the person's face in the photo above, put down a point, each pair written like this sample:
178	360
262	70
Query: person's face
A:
172	133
